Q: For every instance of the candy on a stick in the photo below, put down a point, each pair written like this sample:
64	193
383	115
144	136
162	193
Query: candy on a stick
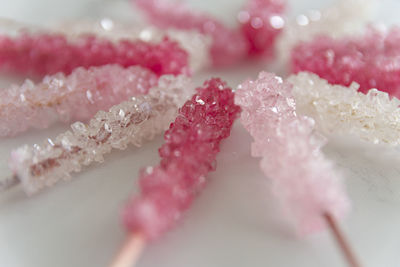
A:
77	96
131	122
302	177
372	117
197	45
372	59
49	53
188	155
305	181
343	18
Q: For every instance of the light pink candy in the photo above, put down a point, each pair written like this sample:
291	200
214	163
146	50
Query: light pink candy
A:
301	176
77	96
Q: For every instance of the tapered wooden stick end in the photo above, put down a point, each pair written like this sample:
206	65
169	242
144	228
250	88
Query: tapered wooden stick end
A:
130	251
341	241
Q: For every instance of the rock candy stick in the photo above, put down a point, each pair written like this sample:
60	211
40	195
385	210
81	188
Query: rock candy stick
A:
197	45
305	181
49	53
131	122
372	59
342	18
188	155
77	96
372	117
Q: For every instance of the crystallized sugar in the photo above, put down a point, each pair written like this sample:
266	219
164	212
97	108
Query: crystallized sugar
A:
373	117
372	60
77	96
344	17
301	176
228	45
188	155
196	44
262	22
131	122
42	54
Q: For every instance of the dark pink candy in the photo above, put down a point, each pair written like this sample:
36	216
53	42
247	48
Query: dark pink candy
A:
372	60
188	155
51	53
257	26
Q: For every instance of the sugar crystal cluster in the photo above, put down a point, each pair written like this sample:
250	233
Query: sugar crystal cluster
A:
49	53
228	45
261	23
372	117
301	176
188	155
131	122
197	45
77	96
372	60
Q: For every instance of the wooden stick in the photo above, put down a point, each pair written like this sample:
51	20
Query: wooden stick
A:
8	183
130	251
341	241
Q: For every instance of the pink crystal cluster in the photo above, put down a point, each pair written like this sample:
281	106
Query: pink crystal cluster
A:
228	45
77	96
188	155
301	176
130	122
371	60
261	22
42	54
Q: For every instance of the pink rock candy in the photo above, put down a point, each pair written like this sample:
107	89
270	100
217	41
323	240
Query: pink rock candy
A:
261	24
42	54
188	155
77	96
302	177
371	60
228	45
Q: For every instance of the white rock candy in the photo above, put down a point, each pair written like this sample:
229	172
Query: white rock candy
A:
66	98
131	122
372	117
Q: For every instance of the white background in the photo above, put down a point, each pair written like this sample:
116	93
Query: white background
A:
234	223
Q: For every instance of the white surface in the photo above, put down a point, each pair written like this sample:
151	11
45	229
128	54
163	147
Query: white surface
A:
235	221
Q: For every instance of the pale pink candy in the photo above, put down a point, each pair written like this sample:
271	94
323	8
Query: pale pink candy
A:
131	122
77	96
301	176
228	46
